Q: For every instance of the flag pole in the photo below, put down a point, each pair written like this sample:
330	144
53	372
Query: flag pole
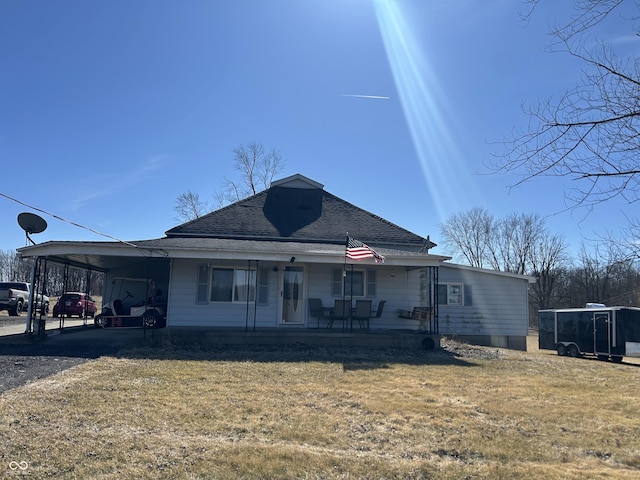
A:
344	274
351	299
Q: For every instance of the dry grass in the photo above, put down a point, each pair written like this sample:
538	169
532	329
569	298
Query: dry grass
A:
322	414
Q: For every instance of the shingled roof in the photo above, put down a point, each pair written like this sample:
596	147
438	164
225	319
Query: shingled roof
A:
298	209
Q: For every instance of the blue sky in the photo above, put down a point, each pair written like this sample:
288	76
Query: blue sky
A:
110	110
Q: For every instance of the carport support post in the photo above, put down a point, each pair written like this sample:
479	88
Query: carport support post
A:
41	278
30	305
87	288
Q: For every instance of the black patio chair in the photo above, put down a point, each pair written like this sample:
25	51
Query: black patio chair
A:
341	311
317	311
362	313
380	307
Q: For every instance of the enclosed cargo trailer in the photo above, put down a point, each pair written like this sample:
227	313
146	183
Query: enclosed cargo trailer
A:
606	332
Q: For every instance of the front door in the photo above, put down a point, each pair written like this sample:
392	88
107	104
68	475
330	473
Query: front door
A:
602	332
293	305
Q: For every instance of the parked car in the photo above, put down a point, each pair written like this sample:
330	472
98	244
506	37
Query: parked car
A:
75	303
14	297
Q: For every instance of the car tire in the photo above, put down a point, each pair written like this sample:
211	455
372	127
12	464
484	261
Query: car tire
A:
17	310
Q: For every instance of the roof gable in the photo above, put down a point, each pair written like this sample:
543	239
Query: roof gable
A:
297	209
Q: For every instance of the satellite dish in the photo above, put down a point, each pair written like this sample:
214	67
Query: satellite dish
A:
31	223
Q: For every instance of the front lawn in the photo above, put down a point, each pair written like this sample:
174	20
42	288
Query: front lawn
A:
305	413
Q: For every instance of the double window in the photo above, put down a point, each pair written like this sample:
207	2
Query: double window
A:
217	284
451	294
357	283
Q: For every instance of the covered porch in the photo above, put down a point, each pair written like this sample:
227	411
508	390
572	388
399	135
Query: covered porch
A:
272	283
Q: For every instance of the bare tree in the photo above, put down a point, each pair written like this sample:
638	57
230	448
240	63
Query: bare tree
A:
4	263
515	240
547	258
189	206
592	279
468	235
518	243
256	167
14	268
592	133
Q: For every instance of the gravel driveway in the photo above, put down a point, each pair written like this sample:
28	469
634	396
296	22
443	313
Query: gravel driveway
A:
19	365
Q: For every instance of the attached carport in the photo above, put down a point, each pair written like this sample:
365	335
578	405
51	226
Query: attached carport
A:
110	258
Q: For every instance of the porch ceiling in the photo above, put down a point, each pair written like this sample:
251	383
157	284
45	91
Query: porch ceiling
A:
97	262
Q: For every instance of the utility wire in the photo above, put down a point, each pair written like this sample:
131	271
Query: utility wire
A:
67	221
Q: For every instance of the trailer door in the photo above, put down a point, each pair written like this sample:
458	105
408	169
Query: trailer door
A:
602	332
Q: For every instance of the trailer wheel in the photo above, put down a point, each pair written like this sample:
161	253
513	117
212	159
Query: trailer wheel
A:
573	351
616	358
562	350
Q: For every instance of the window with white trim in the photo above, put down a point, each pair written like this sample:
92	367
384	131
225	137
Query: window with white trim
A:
218	284
451	294
357	283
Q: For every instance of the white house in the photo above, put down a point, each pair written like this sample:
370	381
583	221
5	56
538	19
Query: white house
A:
256	263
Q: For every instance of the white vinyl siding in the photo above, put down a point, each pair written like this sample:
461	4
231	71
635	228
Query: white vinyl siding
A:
493	303
185	312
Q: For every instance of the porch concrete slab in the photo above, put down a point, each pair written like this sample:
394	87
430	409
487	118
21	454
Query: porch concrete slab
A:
87	337
276	336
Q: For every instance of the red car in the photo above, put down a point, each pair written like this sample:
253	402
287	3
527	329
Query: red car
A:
75	303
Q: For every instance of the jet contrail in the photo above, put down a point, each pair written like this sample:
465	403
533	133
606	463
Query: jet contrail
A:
375	97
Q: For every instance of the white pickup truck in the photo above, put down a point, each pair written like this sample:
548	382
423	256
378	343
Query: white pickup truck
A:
14	297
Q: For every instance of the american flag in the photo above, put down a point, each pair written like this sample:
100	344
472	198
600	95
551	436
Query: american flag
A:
356	250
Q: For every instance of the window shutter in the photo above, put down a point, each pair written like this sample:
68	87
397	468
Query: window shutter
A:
263	286
371	283
442	294
468	300
203	284
336	282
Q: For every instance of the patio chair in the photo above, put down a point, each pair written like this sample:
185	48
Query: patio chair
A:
341	311
317	311
380	307
362	313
